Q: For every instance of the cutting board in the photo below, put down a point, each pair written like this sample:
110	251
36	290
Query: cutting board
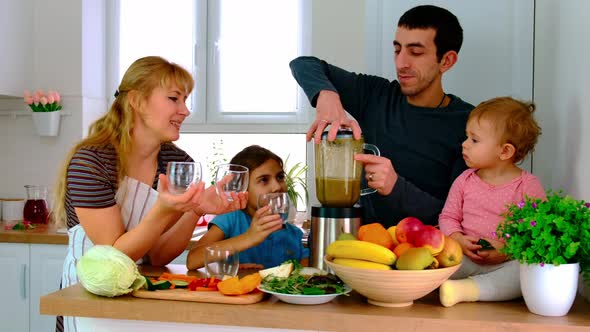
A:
199	296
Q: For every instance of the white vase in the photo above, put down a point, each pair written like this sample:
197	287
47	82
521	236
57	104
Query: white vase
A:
549	290
47	123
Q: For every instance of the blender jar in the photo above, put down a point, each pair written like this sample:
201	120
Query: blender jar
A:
337	174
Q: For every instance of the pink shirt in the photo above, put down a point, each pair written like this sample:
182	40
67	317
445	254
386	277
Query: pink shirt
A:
473	206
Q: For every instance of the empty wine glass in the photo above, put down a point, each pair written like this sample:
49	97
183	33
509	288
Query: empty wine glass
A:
278	202
221	261
181	175
238	179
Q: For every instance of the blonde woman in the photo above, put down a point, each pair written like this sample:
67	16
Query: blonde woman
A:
112	188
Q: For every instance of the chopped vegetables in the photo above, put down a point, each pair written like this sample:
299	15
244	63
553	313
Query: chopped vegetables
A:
172	281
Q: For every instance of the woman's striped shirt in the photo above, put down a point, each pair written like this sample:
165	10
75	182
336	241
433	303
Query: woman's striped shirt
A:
92	177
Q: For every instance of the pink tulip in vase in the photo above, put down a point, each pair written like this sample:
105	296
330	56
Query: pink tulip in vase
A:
46	111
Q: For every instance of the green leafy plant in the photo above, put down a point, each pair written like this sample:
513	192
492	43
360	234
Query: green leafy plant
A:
553	231
295	176
216	157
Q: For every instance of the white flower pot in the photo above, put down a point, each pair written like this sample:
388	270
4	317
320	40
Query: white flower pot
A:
549	290
47	123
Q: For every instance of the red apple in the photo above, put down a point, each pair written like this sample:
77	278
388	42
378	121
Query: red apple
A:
406	229
429	237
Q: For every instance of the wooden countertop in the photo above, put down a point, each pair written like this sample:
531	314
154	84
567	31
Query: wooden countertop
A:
41	234
48	234
345	313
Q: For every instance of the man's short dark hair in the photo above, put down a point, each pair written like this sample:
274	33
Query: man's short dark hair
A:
449	34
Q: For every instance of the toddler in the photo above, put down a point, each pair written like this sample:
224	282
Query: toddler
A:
500	133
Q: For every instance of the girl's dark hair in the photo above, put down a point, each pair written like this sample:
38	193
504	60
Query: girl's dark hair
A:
254	156
449	34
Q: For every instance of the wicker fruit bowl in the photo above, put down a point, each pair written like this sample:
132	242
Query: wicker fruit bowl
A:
391	288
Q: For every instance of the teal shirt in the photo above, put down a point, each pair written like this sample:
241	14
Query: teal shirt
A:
278	247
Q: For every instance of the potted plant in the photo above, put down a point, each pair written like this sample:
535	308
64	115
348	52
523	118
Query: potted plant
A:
551	240
295	177
46	111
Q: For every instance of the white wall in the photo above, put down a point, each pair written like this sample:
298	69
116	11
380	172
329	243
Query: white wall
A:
562	84
68	55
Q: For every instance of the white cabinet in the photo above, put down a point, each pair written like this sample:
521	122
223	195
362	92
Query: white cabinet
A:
16	38
14	306
29	271
46	268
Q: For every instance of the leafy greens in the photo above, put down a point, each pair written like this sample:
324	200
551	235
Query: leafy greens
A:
299	284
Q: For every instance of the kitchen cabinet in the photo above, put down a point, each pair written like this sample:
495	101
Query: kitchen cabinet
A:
29	271
14	308
16	62
46	269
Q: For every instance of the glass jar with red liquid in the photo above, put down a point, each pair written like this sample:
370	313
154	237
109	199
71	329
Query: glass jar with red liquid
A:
36	211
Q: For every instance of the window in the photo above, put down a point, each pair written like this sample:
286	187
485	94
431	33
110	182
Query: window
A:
238	52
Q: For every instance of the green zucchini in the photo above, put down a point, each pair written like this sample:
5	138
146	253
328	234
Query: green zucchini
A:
161	284
180	283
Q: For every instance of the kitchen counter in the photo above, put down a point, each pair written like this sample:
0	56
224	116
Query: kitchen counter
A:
345	313
41	234
49	234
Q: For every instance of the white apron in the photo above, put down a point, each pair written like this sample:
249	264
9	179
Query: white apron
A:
135	199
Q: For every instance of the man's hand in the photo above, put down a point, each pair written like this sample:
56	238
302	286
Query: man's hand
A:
331	112
379	172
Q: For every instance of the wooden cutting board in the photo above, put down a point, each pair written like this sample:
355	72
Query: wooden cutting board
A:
184	294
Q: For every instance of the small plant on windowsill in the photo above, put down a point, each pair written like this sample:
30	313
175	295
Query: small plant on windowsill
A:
295	176
553	231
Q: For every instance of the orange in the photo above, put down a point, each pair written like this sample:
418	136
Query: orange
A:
377	234
235	286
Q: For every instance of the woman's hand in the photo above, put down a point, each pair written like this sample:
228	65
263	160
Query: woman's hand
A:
263	223
178	203
212	203
492	257
468	245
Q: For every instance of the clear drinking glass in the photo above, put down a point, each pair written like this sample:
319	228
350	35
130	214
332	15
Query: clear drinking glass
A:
181	175
238	179
278	202
221	261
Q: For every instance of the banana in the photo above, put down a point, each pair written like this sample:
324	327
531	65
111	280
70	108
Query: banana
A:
361	264
361	250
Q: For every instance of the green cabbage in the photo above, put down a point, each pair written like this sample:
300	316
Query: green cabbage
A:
105	271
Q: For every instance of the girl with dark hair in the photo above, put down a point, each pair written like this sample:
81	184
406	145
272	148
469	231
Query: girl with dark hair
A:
261	237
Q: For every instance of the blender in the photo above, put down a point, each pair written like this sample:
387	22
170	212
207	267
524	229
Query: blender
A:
338	189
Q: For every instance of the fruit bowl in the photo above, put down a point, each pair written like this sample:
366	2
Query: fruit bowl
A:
391	288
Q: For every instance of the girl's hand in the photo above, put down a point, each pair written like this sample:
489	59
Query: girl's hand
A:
263	223
492	257
468	245
178	203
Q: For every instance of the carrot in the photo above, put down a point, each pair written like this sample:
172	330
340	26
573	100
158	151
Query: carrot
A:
171	276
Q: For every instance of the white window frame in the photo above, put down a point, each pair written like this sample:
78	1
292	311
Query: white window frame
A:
206	117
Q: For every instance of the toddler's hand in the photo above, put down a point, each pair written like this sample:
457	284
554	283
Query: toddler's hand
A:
468	245
492	257
263	223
